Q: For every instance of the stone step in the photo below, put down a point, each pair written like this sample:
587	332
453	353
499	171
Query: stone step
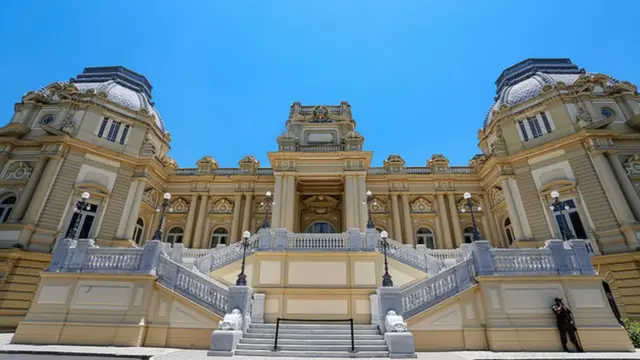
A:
315	325
304	348
312	331
299	336
314	354
314	341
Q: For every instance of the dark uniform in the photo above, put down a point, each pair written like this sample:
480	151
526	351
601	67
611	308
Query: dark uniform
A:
565	324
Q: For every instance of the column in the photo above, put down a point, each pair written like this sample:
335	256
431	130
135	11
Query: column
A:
27	193
289	189
395	213
442	212
511	209
408	226
135	208
248	210
487	223
348	202
362	201
455	219
199	230
235	221
188	229
277	202
439	235
626	185
613	191
42	190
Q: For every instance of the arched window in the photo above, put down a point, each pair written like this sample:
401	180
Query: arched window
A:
174	236
321	227
424	237
508	231
6	207
468	235
219	236
137	232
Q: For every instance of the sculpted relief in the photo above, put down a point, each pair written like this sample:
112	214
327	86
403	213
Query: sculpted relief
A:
18	170
422	205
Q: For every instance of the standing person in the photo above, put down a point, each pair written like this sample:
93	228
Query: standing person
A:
565	323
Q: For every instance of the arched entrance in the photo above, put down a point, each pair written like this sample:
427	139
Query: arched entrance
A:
320	227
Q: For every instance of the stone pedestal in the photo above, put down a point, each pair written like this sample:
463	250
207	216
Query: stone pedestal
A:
224	342
401	345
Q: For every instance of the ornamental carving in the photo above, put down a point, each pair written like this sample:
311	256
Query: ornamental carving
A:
422	205
170	162
68	125
222	206
249	164
477	160
583	117
496	195
394	164
378	206
463	205
179	206
150	197
147	149
207	164
499	146
18	170
632	165
438	163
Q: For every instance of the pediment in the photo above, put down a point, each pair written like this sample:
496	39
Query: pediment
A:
323	201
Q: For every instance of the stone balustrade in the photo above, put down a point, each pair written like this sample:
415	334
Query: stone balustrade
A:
325	242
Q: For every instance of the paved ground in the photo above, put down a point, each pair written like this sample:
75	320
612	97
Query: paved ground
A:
45	352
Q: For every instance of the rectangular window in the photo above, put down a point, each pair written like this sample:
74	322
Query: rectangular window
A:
113	131
545	121
535	127
523	130
124	134
103	126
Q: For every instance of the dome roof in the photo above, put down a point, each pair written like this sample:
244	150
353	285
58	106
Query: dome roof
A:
121	86
525	80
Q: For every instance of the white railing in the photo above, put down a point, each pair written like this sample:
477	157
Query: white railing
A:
419	297
196	253
454	255
197	288
112	259
418	259
222	256
514	261
319	242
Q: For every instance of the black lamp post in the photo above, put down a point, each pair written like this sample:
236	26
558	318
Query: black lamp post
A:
386	278
370	224
81	206
559	206
165	202
268	201
242	278
476	233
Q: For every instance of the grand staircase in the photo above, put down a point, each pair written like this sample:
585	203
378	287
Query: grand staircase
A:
313	339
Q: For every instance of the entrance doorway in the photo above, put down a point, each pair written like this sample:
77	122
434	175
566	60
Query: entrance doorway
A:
320	227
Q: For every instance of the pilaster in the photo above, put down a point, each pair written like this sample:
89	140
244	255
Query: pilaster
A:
42	190
27	193
199	230
248	210
442	214
134	210
237	206
395	213
455	219
512	210
625	184
188	229
362	202
277	202
409	238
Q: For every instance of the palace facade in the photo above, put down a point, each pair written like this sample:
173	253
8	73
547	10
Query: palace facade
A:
552	127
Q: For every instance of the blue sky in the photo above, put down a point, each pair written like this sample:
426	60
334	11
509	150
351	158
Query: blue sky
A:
418	74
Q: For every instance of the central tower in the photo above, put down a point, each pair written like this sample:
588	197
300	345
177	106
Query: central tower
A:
320	171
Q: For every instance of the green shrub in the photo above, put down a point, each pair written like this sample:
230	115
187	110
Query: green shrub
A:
633	329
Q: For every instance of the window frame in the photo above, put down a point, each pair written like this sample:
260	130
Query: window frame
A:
7	209
218	237
170	235
427	236
566	214
508	231
138	231
84	214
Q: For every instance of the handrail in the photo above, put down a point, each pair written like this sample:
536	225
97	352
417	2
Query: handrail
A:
353	343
